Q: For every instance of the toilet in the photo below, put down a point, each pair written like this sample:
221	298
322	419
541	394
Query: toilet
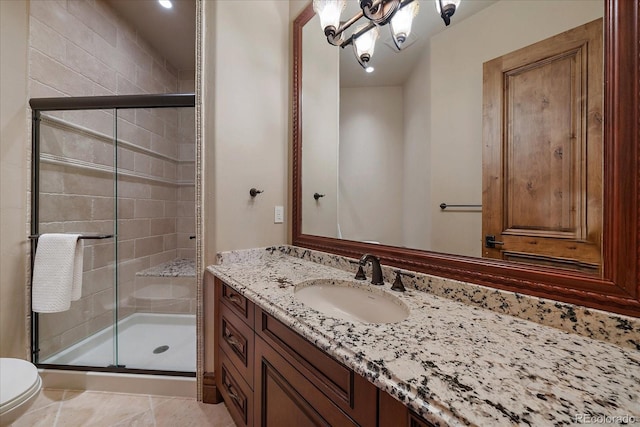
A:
19	387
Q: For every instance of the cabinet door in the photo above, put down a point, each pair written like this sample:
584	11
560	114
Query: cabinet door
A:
284	397
350	392
542	156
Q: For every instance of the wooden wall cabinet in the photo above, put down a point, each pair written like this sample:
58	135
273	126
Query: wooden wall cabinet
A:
268	375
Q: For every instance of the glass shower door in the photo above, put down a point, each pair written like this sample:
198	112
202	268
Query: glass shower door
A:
156	220
77	194
121	175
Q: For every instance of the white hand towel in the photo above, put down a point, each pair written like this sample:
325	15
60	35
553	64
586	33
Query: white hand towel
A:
57	272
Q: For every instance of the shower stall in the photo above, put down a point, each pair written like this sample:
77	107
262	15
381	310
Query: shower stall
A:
119	171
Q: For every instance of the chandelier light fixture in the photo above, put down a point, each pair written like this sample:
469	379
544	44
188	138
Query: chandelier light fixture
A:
398	13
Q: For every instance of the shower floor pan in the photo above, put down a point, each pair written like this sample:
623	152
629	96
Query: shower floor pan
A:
165	342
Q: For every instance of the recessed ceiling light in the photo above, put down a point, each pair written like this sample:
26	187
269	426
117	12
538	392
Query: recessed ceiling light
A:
369	69
165	3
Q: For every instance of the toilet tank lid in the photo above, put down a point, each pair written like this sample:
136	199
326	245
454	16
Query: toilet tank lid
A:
17	376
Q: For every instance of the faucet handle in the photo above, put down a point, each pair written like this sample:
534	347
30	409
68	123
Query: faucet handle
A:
397	284
360	274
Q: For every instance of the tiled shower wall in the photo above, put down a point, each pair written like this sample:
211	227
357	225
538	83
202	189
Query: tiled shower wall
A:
81	48
185	223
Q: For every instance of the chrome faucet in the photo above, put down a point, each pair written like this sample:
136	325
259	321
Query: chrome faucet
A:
376	271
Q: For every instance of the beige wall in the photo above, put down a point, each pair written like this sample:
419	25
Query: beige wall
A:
416	210
14	247
371	167
245	88
456	85
320	132
246	121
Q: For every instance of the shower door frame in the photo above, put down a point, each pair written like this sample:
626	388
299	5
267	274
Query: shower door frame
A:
114	102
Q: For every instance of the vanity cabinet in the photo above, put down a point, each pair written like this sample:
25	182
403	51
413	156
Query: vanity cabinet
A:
310	383
269	375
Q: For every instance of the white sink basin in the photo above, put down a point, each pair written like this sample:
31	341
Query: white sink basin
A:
351	300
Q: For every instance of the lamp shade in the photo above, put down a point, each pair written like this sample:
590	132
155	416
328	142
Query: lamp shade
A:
365	44
445	4
402	20
329	12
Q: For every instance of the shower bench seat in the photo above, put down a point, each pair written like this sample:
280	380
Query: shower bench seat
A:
179	267
167	287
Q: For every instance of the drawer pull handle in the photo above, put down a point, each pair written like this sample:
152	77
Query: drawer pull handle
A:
234	298
232	393
233	341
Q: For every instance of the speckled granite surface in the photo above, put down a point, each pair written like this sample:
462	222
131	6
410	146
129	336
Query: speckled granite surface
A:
454	363
179	267
597	324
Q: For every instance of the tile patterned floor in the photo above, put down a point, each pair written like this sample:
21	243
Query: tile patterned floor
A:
71	408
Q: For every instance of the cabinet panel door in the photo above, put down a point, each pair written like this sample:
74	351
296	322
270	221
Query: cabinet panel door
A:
351	392
542	155
284	397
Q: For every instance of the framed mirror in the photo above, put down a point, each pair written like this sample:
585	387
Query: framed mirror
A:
608	278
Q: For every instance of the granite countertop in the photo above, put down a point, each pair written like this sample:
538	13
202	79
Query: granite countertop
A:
451	362
179	267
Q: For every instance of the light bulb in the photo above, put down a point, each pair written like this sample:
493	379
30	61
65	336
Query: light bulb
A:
165	3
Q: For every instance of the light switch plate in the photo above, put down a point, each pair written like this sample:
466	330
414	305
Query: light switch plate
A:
278	215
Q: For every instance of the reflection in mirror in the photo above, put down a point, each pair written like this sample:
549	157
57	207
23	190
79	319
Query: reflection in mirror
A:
387	148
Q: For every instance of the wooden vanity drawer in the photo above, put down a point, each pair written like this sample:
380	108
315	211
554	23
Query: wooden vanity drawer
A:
350	391
237	394
237	302
237	342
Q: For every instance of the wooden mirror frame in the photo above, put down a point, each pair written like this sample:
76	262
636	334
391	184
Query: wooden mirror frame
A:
618	290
